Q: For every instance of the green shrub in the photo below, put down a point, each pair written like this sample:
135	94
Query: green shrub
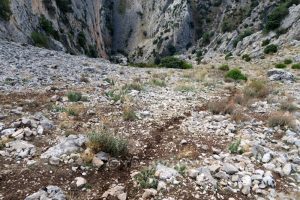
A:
40	39
246	57
236	74
240	37
265	42
92	52
104	141
280	65
5	11
173	62
224	67
235	148
278	14
296	66
288	61
228	56
146	178
199	56
74	96
81	40
64	5
47	26
271	48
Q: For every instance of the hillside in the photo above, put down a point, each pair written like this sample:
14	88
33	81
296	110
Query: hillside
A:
137	100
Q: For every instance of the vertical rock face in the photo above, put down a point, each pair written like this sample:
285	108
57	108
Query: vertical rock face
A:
144	29
70	19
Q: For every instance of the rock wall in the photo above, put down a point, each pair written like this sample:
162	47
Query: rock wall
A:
145	29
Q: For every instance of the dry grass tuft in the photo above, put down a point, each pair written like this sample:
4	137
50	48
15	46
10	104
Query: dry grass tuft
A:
281	119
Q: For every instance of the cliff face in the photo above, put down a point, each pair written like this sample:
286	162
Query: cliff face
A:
143	29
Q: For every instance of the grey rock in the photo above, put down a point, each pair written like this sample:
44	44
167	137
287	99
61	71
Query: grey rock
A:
67	145
266	158
50	192
229	168
280	75
165	172
287	169
20	148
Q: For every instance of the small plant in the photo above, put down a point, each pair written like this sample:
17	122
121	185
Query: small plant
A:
270	49
228	56
133	86
146	178
158	82
281	119
280	65
235	148
296	66
235	74
181	169
173	62
58	109
288	106
71	112
104	141
246	57
224	67
256	89
288	61
2	145
222	106
129	114
5	11
40	39
184	87
265	42
75	96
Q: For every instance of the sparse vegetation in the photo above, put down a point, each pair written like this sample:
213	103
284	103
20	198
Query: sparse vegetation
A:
235	148
280	65
64	5
75	96
173	62
146	178
47	26
236	74
265	42
224	67
256	89
5	11
271	48
40	39
296	66
281	119
246	57
288	106
158	82
129	113
288	61
228	56
222	106
105	141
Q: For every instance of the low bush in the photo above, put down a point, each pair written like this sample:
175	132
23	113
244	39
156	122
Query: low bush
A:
158	82
104	141
296	66
235	148
265	42
129	114
224	67
146	178
75	96
280	65
40	39
256	89
246	57
173	62
5	11
47	26
271	48
222	106
236	74
281	119
228	56
288	61
288	106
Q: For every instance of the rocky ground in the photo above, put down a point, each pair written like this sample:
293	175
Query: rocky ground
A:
191	134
